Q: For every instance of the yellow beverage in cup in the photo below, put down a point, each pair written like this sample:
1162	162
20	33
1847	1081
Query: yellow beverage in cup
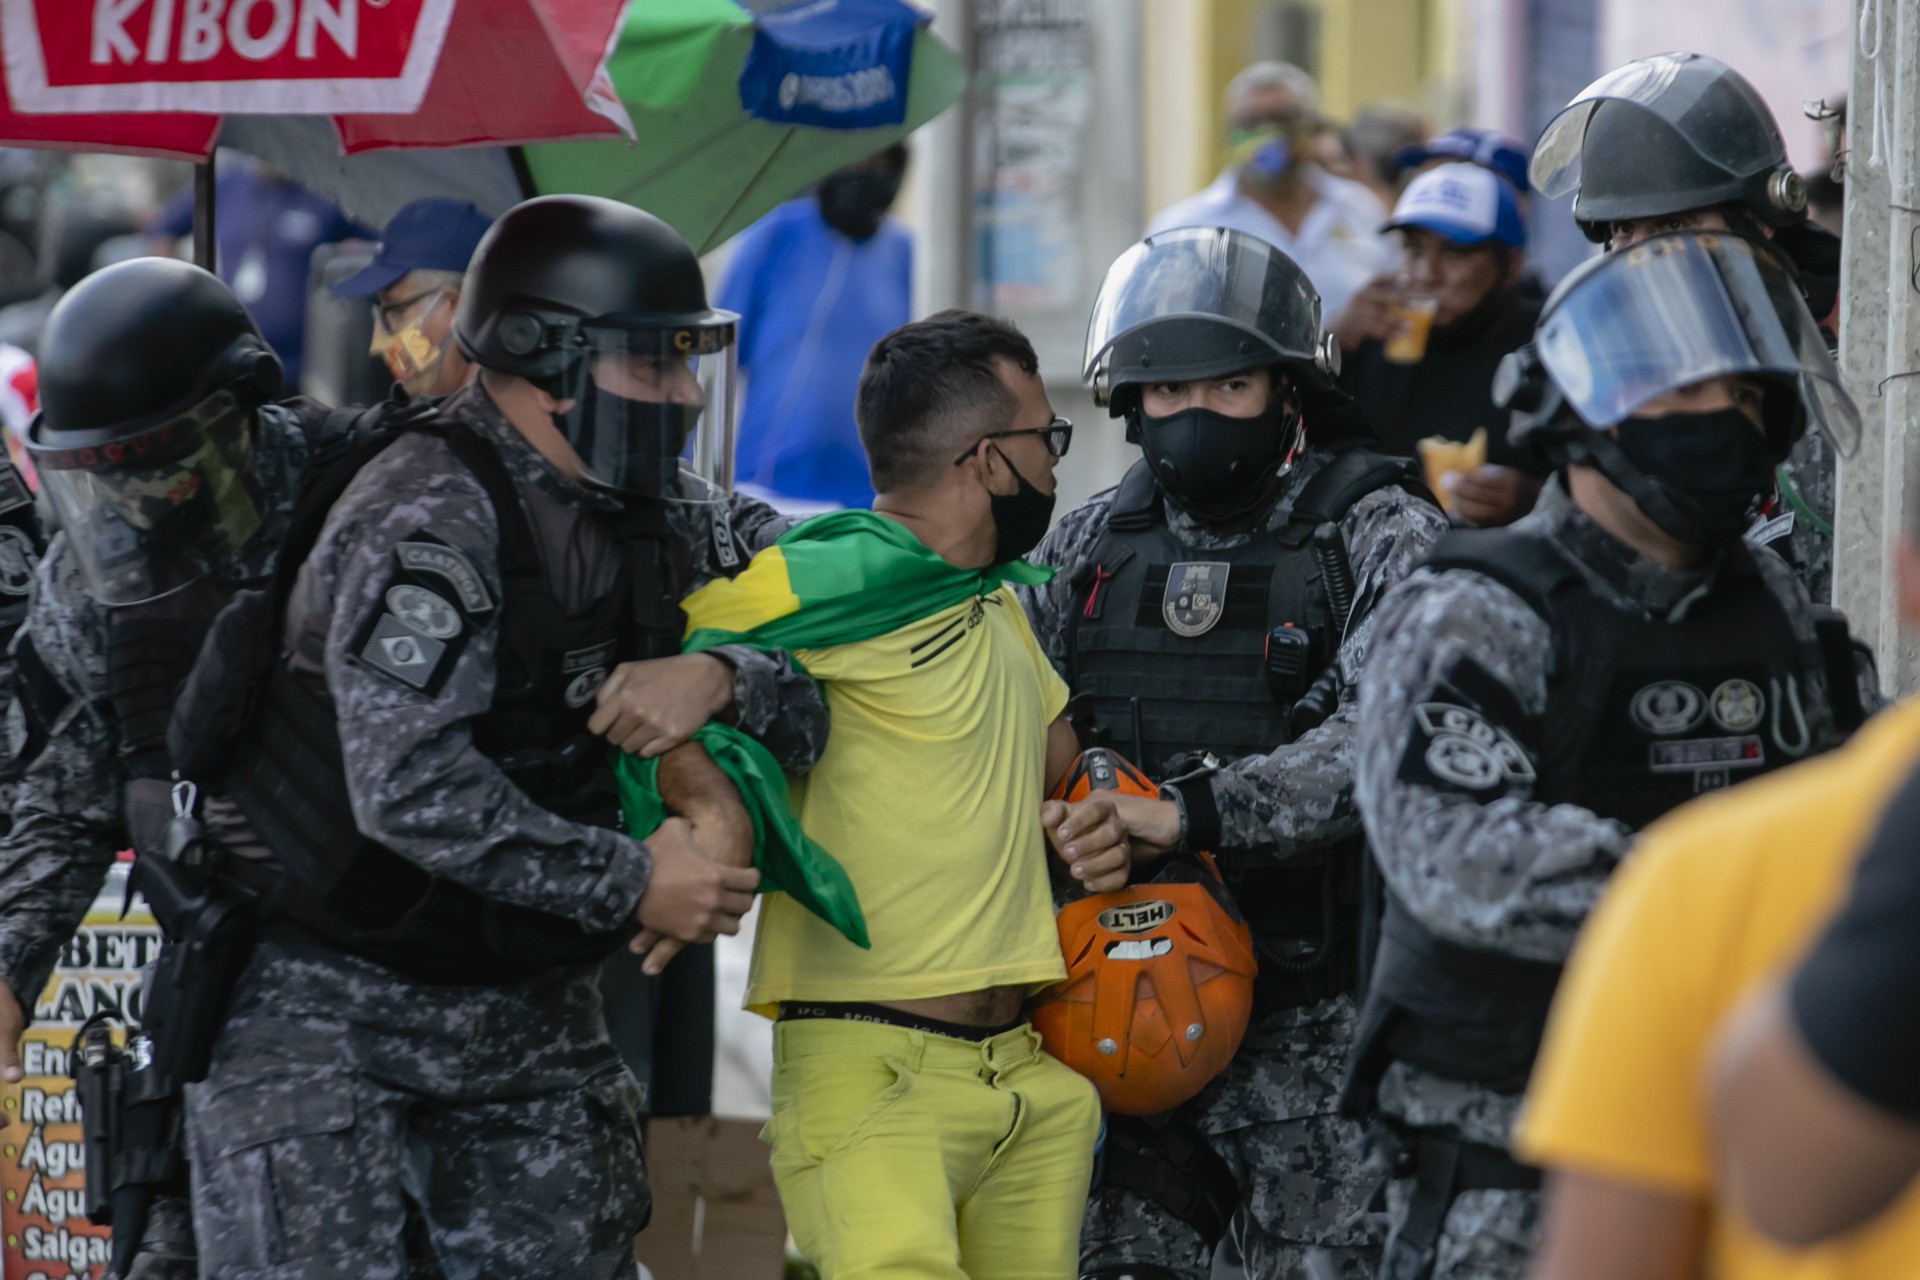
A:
1440	457
1412	322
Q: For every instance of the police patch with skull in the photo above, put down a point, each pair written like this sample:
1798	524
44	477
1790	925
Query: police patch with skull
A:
1464	749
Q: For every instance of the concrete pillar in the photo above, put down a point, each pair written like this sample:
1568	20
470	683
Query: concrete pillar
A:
941	198
1880	330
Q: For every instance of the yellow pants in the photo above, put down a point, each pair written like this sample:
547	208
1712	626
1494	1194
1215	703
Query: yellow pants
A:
913	1156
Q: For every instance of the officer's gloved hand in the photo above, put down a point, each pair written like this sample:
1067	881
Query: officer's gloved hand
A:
688	898
12	1024
647	708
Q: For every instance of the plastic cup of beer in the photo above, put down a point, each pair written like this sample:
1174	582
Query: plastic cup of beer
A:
1412	322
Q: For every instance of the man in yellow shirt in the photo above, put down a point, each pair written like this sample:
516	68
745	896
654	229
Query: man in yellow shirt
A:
918	1128
1715	901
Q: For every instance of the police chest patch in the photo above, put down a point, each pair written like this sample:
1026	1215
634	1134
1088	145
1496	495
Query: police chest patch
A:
1458	747
1773	530
441	561
1668	707
1737	705
1196	597
17	560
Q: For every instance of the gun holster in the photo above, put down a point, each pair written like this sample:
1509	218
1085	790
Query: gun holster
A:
133	1121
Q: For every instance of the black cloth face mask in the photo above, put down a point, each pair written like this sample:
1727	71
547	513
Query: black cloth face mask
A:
1214	466
854	203
1713	467
1020	518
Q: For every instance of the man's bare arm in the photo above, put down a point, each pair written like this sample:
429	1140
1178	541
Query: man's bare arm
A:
1598	1228
692	786
1804	1157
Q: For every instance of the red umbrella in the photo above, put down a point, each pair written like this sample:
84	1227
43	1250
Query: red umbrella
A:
153	77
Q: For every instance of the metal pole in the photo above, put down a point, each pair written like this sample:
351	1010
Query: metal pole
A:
1880	328
203	228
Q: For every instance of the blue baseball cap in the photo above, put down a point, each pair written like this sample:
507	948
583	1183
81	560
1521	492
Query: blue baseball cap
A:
1503	153
427	235
1463	203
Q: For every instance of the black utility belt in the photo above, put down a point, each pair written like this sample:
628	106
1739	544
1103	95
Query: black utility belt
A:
814	1010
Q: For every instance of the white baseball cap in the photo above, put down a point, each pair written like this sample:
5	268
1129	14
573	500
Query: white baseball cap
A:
1463	203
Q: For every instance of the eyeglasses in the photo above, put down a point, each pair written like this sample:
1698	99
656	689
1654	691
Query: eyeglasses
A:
1056	435
387	316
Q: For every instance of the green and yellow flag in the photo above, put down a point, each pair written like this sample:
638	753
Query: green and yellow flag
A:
839	578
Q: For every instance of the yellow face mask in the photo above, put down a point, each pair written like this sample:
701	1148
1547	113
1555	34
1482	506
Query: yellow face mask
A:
412	357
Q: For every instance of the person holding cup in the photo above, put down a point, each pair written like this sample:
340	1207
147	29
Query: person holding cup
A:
1420	344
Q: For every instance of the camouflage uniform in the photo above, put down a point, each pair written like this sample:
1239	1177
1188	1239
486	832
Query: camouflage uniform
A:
1271	1115
1810	470
339	1090
1510	874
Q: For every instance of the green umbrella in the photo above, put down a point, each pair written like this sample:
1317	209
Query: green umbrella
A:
699	160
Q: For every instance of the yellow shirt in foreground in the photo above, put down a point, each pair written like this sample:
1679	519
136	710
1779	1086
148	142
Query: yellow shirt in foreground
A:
1716	898
929	794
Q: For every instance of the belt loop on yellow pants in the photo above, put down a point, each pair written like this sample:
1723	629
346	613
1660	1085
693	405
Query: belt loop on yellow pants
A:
904	1153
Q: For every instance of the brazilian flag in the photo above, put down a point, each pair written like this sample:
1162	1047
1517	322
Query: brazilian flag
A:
839	578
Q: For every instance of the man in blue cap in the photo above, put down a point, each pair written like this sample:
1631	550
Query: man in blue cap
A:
1462	253
1503	153
414	282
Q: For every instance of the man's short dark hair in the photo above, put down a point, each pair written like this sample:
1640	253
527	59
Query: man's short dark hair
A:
931	388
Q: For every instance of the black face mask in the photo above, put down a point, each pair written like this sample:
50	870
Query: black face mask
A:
854	203
1216	467
630	447
1712	467
1020	518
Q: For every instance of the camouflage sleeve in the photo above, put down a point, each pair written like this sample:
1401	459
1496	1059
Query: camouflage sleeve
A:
1299	797
1448	753
773	699
1066	549
418	783
66	816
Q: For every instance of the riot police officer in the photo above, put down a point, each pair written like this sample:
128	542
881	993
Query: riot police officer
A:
1539	694
171	471
1681	141
1199	610
420	1023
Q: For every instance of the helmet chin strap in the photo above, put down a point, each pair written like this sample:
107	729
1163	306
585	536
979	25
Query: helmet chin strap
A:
1673	514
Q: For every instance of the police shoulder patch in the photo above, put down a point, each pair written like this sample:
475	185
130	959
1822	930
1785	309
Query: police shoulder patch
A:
1459	742
427	556
431	603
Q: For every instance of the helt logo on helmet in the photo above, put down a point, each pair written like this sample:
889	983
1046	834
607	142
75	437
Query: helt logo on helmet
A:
1137	917
683	340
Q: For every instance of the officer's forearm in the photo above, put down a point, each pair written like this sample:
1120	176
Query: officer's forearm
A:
1288	803
692	786
778	704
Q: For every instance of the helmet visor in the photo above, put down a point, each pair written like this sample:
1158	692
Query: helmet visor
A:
149	513
1679	309
1204	273
1656	85
653	410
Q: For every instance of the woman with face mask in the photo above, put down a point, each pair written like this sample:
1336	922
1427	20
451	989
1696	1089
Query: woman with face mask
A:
1193	610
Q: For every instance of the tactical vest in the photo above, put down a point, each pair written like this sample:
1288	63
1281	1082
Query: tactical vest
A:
1170	653
1642	715
331	883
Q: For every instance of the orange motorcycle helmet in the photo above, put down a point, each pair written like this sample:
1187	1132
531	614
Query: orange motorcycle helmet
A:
1159	986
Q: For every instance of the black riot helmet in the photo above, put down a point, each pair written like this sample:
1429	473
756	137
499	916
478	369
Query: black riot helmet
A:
604	306
1665	315
149	374
1206	302
1663	135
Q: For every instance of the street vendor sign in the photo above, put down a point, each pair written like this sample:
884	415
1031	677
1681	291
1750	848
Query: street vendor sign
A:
44	1232
266	57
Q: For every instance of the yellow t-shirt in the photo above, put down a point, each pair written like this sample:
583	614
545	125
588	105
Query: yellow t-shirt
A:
929	794
1720	896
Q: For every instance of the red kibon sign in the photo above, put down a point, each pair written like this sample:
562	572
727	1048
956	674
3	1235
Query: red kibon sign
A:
220	56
